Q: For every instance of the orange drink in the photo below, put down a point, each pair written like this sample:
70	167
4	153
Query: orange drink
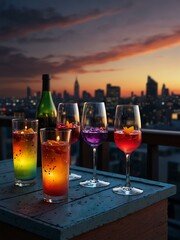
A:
55	157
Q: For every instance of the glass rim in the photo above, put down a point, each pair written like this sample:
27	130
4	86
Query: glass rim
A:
24	120
94	102
54	129
127	105
70	103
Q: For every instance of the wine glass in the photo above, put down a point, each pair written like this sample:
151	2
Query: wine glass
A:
94	131
68	117
127	136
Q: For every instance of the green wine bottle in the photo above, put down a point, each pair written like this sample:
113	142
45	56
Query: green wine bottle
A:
46	111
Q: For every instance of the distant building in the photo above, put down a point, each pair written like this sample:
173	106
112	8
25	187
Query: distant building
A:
38	94
66	96
86	96
59	96
99	95
151	88
76	91
142	93
132	94
29	93
112	95
164	91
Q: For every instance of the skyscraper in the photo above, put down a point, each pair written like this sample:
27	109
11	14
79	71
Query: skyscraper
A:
76	90
99	95
29	93
86	96
164	91
151	88
112	95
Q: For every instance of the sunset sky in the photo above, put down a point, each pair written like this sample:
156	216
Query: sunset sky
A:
99	42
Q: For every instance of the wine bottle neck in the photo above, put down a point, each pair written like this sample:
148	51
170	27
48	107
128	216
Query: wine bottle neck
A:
46	85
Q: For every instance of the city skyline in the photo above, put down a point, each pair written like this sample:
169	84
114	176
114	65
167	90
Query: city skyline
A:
102	42
78	92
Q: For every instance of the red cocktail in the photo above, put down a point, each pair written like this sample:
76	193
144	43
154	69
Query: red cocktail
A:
75	130
127	142
127	136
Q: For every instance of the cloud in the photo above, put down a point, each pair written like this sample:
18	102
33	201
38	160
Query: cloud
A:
48	38
15	63
103	70
124	51
16	22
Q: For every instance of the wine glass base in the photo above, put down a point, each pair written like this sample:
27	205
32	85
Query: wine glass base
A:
73	176
94	183
128	191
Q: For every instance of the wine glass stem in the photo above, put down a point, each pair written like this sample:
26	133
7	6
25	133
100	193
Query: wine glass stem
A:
94	165
128	171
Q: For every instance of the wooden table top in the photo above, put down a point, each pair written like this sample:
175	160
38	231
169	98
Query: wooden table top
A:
86	209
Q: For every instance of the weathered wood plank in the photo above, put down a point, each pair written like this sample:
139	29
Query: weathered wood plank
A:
142	224
146	224
86	210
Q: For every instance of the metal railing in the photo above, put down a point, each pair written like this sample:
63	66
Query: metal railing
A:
153	139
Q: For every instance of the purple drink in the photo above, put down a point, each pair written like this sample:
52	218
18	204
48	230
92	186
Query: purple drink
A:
94	136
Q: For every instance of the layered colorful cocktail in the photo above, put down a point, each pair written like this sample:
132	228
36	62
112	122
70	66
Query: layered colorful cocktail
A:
55	154
24	151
